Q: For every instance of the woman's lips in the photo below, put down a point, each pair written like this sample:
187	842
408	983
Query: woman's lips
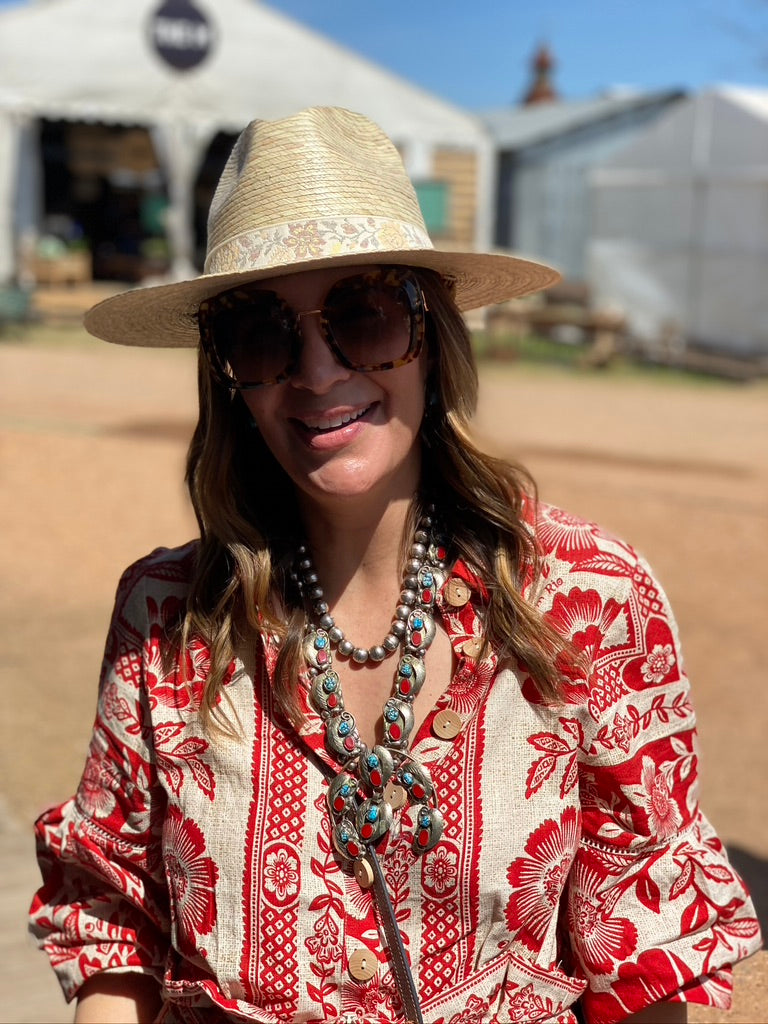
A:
332	421
334	428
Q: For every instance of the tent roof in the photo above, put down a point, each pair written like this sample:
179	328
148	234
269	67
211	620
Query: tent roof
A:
519	127
723	128
93	60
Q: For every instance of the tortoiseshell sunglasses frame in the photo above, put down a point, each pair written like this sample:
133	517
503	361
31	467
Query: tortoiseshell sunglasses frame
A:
233	298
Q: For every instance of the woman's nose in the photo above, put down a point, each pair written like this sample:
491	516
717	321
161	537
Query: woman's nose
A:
317	368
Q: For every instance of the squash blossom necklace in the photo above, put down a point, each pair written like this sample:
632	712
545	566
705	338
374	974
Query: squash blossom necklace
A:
375	782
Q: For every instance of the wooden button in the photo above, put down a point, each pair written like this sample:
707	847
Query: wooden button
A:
363	965
395	795
363	873
447	724
456	592
472	647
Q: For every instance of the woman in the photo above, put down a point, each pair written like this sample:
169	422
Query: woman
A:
515	836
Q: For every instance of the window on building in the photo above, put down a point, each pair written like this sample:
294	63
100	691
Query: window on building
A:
433	200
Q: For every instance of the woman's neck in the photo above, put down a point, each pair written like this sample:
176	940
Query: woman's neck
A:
366	543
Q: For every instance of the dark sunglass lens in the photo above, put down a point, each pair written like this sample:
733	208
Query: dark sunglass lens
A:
252	337
371	322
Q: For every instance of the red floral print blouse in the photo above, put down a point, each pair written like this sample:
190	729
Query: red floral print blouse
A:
575	863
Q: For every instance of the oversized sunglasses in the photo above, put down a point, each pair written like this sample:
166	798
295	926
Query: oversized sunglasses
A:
370	321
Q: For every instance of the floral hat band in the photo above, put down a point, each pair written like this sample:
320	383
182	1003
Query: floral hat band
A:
284	244
323	187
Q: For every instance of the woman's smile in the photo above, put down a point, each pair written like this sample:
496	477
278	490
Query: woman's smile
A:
336	425
337	432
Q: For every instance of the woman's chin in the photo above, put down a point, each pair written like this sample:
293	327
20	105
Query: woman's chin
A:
353	481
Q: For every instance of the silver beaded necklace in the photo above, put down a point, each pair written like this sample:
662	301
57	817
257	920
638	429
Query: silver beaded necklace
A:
376	782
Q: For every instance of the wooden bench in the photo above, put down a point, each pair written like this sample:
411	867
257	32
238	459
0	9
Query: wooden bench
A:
603	329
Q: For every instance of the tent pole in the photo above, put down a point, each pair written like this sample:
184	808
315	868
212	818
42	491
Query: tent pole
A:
180	147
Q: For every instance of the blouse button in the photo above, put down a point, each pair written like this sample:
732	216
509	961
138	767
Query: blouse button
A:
363	873
456	592
395	795
472	647
447	724
363	965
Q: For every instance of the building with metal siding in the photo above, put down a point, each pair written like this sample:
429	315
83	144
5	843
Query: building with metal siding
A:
544	154
679	226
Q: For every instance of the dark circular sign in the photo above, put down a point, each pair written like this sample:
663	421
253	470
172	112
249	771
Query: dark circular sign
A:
181	34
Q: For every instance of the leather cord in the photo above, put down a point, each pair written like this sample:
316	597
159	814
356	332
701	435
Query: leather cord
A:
401	967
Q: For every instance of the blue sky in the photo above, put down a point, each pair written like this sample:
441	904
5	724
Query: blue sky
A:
476	52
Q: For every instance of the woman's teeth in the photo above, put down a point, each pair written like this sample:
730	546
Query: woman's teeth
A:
334	422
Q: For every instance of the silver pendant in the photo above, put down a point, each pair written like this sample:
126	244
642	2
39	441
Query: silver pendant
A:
429	827
316	649
420	630
326	694
374	818
430	580
376	766
341	795
346	840
410	677
398	723
343	737
417	780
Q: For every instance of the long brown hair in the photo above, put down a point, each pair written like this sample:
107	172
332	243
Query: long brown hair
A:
249	525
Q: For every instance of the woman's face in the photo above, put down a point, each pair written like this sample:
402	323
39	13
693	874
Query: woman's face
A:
339	433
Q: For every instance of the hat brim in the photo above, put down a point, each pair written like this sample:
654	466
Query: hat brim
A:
165	316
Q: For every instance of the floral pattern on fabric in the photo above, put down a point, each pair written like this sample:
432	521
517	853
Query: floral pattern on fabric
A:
312	239
575	863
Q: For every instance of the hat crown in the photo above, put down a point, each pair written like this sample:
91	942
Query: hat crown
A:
322	188
325	163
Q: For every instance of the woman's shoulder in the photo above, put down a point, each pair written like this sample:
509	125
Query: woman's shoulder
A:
577	555
158	578
562	536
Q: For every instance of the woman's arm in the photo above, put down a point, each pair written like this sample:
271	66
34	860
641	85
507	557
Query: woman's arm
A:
128	998
660	1013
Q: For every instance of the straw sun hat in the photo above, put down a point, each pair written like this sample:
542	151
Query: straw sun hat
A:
323	188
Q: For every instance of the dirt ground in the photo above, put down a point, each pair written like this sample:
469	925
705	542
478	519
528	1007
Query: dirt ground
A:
92	441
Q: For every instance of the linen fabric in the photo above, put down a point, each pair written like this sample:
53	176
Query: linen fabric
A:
575	863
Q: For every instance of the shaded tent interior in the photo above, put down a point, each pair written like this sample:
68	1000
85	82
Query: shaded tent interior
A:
112	138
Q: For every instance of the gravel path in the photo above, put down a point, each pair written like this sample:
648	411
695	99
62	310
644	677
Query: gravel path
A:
92	441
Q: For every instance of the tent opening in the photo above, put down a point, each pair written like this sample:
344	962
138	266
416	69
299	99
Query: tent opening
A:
104	204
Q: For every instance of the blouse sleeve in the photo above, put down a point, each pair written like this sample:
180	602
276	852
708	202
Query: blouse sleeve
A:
654	909
103	903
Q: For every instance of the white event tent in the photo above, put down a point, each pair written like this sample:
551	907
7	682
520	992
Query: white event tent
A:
185	70
679	230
